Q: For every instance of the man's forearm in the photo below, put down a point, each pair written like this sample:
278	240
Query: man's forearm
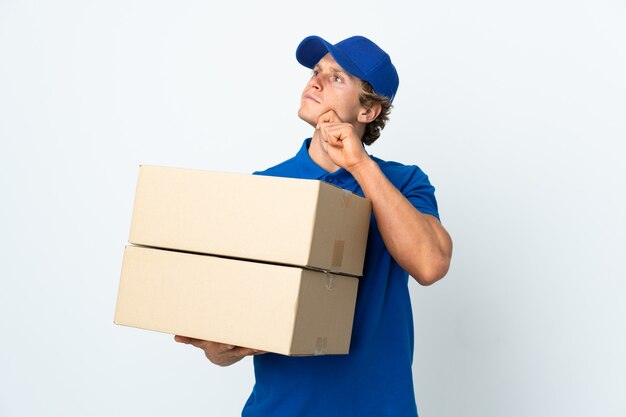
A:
417	241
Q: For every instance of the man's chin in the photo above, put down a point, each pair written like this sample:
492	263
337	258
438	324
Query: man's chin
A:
308	118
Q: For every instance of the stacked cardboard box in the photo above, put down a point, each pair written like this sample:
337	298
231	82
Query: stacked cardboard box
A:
262	262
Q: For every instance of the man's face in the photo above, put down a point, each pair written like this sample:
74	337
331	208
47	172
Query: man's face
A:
330	88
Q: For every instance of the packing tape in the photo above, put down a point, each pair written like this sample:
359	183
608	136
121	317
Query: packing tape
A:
321	344
330	281
337	255
346	199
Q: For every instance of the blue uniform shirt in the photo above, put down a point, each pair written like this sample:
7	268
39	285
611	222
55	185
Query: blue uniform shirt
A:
375	378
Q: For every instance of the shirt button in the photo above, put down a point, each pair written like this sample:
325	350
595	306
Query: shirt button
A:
329	179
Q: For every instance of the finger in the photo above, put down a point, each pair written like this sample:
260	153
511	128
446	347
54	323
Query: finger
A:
199	343
228	357
183	339
222	348
329	117
334	134
329	132
204	344
243	352
215	347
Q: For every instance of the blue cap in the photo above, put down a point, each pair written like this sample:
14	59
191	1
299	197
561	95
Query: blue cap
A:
358	56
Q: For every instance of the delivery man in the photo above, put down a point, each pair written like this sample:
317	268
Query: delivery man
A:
347	101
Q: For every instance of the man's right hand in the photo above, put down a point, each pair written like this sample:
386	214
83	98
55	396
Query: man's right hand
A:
218	353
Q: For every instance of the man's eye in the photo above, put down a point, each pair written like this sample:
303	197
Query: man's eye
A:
314	73
337	79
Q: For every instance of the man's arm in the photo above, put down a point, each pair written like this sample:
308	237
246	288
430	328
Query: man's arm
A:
417	241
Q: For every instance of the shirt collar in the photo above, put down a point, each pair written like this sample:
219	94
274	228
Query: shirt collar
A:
310	170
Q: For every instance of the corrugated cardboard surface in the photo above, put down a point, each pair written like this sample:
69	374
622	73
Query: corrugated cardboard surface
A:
273	308
341	229
280	220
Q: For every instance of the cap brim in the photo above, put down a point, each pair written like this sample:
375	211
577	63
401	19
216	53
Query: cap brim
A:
313	48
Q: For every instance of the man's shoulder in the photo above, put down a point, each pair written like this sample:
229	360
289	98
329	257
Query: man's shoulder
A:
283	169
290	167
399	173
413	183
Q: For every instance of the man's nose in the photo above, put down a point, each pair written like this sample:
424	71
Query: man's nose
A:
315	82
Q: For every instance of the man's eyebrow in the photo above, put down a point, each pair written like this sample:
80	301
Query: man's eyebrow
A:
317	67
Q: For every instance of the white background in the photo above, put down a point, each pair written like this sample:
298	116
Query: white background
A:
516	110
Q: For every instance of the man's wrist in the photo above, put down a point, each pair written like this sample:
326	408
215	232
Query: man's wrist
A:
363	169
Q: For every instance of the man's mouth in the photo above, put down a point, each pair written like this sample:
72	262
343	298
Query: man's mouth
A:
310	97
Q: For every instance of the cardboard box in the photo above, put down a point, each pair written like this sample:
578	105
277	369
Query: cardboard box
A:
299	222
274	308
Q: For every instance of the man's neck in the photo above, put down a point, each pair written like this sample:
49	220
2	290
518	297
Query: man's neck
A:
319	155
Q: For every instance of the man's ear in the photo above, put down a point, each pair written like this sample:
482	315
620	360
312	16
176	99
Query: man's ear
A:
369	114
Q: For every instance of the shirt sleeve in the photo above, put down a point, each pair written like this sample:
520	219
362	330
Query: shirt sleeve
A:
419	191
